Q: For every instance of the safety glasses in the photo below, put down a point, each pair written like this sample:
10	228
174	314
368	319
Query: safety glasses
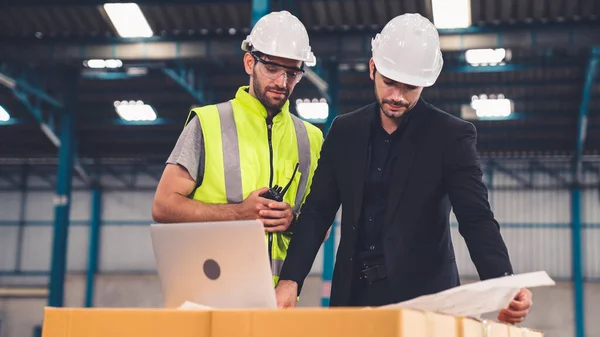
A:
273	71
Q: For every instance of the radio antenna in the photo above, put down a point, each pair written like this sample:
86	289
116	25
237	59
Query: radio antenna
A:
291	179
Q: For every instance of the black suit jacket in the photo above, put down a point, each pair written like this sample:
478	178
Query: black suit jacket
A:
436	166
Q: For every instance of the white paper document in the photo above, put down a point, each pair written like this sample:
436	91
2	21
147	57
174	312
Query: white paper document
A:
477	298
187	305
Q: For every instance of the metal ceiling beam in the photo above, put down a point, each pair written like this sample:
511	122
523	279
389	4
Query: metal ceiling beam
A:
586	97
192	81
318	81
58	3
24	92
21	85
342	46
175	98
94	121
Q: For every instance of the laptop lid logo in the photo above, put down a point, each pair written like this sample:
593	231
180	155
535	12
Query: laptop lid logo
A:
212	269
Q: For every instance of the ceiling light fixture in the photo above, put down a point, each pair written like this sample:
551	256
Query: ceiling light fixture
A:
4	116
450	14
134	111
313	110
128	20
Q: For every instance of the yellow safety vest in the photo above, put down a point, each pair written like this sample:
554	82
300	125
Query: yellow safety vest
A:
241	157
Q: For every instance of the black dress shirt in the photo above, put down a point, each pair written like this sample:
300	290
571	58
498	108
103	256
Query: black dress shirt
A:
380	163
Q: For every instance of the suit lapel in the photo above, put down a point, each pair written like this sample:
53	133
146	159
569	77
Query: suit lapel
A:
359	151
403	156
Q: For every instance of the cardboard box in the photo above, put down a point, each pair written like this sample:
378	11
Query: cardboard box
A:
300	322
71	322
471	327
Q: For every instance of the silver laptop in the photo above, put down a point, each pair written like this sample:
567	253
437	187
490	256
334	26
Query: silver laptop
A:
216	264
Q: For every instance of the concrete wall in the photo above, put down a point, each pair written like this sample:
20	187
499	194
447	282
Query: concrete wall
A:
535	225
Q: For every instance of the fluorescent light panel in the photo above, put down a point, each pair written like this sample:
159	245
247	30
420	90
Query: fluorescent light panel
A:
128	20
101	64
494	106
314	109
134	111
485	56
449	14
4	116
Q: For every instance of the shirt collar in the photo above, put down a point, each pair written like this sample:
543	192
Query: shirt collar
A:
253	105
377	127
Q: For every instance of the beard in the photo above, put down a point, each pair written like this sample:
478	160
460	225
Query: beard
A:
400	107
273	105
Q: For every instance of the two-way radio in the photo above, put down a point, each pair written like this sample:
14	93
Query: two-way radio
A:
277	192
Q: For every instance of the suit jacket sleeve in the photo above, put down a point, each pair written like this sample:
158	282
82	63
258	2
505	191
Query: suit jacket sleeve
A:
468	196
316	215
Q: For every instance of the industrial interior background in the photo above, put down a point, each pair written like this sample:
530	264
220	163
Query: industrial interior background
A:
77	181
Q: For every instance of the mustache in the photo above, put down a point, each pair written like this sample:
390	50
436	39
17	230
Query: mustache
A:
278	89
395	103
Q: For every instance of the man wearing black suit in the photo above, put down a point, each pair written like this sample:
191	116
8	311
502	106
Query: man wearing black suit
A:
397	166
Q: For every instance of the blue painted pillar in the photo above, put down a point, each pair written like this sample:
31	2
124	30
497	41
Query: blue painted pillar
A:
62	198
329	247
95	222
260	8
578	291
22	213
587	92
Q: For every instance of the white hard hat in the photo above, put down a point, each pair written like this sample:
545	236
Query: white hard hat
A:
408	51
280	34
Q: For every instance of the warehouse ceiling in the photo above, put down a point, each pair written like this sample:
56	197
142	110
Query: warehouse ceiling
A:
43	45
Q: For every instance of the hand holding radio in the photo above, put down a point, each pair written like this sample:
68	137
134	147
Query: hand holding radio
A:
251	206
279	216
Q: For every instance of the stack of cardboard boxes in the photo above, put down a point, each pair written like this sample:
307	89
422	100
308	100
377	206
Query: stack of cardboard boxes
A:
299	322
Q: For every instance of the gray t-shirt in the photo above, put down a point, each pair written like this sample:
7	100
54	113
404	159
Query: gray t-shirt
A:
189	150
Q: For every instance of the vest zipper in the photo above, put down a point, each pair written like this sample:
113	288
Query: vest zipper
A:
269	134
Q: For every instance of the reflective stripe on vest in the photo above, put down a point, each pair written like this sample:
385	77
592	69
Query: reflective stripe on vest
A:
231	156
304	159
276	266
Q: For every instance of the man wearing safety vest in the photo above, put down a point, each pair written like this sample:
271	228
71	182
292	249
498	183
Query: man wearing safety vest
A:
230	154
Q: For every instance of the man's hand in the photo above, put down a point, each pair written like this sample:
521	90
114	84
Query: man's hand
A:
278	217
286	293
518	308
249	208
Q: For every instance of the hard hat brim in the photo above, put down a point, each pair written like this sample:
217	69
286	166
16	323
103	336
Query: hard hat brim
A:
309	61
400	77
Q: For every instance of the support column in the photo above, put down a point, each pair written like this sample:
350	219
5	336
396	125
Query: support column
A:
95	223
22	213
578	287
578	291
329	247
62	198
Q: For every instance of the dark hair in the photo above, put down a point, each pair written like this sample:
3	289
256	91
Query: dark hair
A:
257	53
